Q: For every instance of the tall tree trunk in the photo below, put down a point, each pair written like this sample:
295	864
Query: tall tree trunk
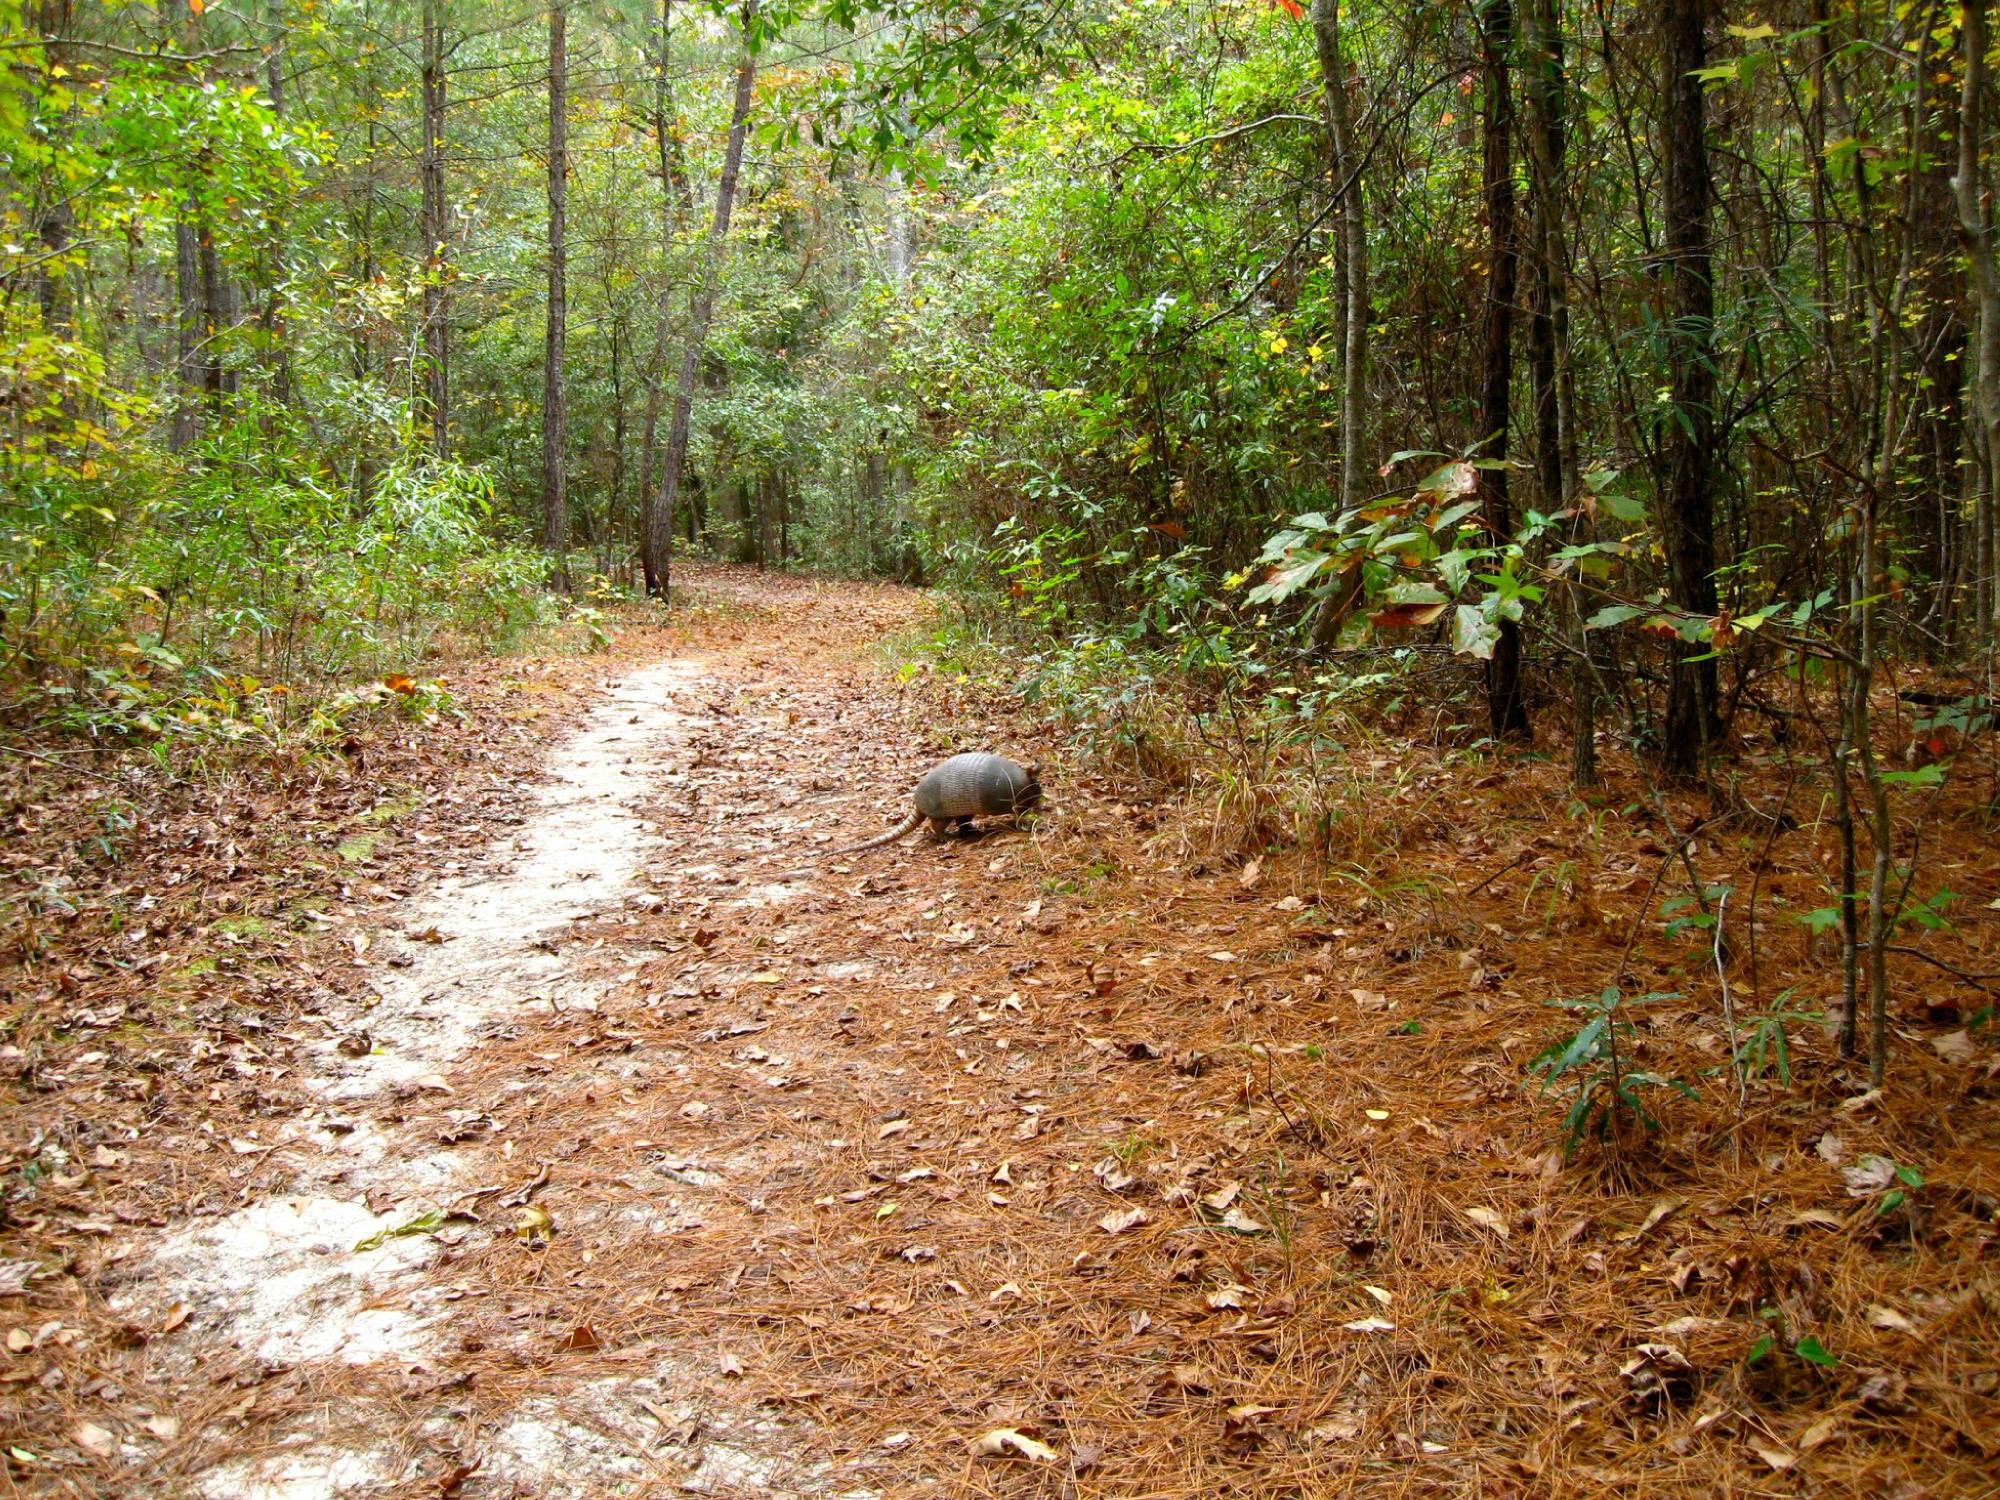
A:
434	398
188	338
1932	508
1556	457
555	518
675	196
1692	711
660	519
1506	710
1351	257
1976	236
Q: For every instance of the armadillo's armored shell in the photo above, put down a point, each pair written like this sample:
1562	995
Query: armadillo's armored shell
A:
976	785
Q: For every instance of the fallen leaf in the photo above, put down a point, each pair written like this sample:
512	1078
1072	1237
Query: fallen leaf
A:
583	1336
97	1440
1224	1298
1955	1047
1816	1435
1381	1294
1005	1442
176	1315
1660	1210
1887	1317
1869	1176
1132	1218
1240	1222
1219	1200
1369	1325
1252	872
893	1128
166	1429
1776	1457
1487	1218
1830	1148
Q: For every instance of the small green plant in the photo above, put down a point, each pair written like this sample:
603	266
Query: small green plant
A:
1805	1348
1885	1180
1595	1061
1680	920
1765	1046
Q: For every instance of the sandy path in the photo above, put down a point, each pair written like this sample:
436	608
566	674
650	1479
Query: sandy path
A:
409	1151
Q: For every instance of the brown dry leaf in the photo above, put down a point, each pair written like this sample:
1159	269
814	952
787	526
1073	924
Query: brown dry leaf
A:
1487	1218
1132	1218
1005	1442
1189	1378
1219	1200
19	1341
1241	1223
166	1429
1817	1435
1235	1295
434	1082
893	1128
583	1336
176	1315
1955	1046
1778	1458
1659	1211
1831	1148
97	1440
1370	1325
15	1276
730	1366
1887	1317
1818	1218
1252	872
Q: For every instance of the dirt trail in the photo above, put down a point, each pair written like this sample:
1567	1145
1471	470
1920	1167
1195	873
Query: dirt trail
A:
513	1004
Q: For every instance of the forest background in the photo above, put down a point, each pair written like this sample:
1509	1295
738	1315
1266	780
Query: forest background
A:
1622	373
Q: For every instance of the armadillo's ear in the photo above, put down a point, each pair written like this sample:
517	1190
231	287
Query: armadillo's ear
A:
1034	771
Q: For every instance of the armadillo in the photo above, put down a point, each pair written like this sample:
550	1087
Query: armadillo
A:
975	785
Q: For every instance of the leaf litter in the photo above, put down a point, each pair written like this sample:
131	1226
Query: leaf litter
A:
774	1293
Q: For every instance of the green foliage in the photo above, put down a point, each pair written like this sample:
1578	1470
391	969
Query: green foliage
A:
1593	1065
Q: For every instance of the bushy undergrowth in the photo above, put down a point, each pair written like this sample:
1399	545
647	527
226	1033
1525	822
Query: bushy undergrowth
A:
1188	694
227	599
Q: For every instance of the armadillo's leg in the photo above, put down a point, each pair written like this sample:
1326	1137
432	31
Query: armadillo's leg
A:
940	827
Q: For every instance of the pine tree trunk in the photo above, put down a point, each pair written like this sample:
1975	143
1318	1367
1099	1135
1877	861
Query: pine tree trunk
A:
660	519
1556	453
1506	709
187	340
1692	712
555	517
434	389
1351	255
1976	237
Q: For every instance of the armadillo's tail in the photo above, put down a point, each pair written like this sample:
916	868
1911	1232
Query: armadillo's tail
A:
907	825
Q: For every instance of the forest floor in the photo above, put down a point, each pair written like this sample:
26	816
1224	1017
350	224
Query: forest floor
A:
507	1107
